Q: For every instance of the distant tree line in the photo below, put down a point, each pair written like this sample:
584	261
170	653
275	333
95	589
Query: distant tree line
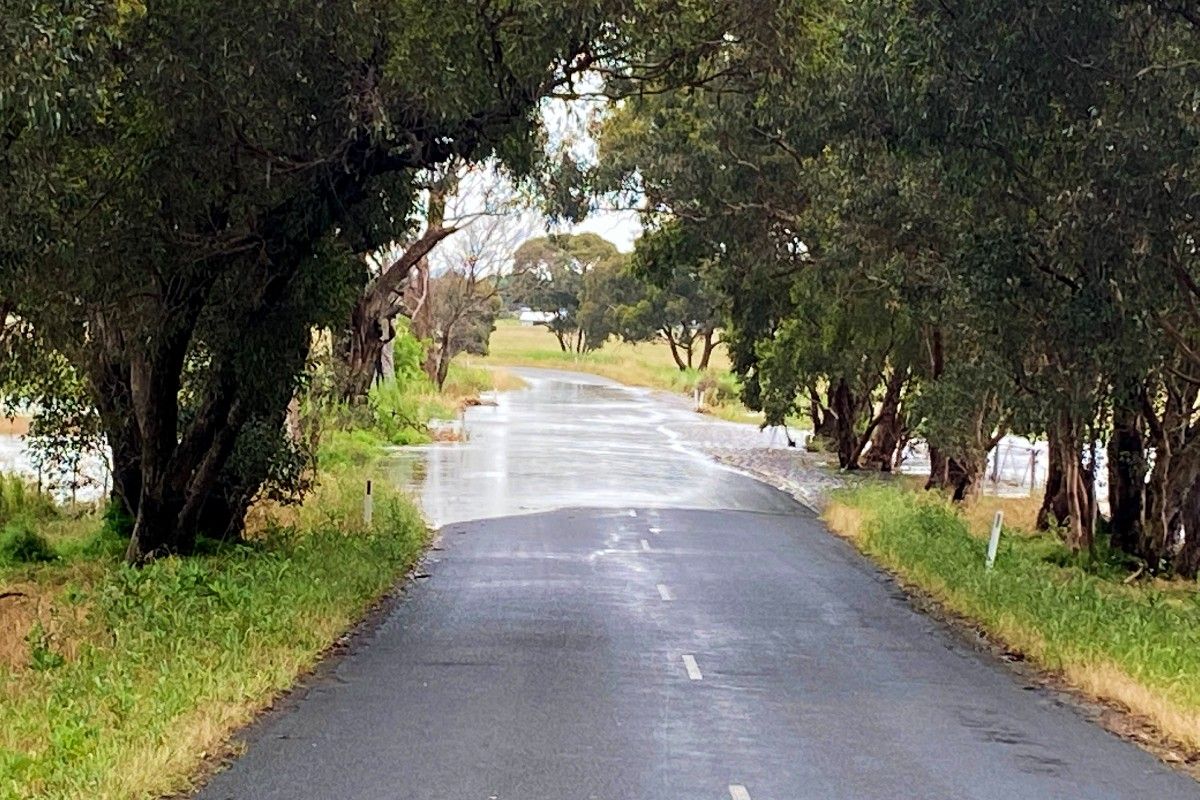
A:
594	293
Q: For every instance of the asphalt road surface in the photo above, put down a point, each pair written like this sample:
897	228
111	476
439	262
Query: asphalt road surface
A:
686	644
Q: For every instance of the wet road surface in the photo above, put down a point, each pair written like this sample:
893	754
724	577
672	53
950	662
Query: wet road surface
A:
704	639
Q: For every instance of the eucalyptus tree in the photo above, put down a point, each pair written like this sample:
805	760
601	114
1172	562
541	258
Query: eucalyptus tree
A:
671	295
573	278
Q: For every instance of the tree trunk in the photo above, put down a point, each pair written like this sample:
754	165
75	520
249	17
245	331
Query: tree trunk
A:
443	361
710	344
1054	511
1166	494
1187	562
965	477
367	338
959	475
1076	495
843	410
418	305
939	470
669	335
823	421
889	424
1127	468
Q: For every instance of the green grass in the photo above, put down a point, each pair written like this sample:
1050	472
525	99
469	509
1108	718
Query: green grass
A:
115	682
1137	645
646	364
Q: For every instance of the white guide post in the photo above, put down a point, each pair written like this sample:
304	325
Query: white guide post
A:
994	541
368	506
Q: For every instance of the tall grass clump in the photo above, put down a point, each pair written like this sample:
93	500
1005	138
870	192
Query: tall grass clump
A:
19	499
1135	645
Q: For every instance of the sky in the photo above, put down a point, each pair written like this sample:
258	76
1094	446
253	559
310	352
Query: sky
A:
566	125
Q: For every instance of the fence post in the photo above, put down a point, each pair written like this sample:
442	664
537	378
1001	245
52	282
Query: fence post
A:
994	541
368	506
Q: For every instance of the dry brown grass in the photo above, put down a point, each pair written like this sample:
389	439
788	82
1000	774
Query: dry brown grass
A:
1020	514
14	426
505	380
29	603
1105	681
844	520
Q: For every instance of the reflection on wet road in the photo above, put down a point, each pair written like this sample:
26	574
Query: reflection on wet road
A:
575	440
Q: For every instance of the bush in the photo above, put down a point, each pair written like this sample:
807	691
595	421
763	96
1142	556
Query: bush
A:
21	544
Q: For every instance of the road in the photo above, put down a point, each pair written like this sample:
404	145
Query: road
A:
612	616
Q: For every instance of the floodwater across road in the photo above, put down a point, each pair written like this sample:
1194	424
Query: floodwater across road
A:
613	617
575	440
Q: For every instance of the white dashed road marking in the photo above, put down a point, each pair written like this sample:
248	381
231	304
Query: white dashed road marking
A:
693	669
632	513
738	792
655	529
665	593
645	545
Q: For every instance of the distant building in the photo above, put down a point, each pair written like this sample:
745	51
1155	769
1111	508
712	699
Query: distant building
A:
528	317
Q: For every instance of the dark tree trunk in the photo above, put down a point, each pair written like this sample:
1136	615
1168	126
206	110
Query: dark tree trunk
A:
367	337
939	470
1053	512
1187	562
674	348
844	412
384	298
1173	476
965	477
1127	468
443	362
113	397
823	421
1073	505
710	343
1166	495
889	425
960	476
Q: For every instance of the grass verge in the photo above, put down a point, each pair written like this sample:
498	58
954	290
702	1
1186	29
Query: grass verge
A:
1136	646
119	683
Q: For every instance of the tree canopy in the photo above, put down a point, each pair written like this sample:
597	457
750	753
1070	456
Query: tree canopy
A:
950	221
189	190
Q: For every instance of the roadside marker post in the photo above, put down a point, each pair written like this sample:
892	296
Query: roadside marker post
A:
994	541
368	506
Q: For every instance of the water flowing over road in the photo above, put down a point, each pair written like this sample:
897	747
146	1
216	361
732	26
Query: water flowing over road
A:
575	440
612	616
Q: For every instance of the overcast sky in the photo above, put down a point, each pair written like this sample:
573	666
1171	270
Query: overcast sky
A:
565	122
